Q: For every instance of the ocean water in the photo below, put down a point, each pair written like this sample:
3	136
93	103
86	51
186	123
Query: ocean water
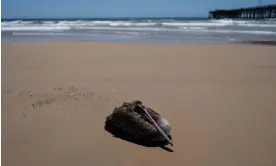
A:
176	30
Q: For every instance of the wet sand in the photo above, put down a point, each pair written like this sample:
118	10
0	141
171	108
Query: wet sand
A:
220	100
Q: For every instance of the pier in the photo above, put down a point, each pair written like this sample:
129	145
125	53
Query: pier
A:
258	12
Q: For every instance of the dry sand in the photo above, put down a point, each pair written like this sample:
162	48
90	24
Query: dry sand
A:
220	99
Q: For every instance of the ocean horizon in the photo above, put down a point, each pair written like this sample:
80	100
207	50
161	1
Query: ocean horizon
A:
101	18
139	29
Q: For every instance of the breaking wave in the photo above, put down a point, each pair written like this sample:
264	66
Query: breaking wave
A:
144	23
171	28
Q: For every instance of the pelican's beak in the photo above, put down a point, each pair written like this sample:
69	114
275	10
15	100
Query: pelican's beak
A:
155	124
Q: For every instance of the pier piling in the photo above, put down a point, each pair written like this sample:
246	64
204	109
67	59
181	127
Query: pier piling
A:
259	12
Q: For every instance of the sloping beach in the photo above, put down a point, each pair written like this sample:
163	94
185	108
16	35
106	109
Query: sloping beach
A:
220	100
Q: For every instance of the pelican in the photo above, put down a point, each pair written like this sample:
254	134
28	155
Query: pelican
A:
139	123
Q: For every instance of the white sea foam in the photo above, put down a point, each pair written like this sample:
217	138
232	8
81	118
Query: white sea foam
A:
145	23
148	29
183	24
256	32
195	28
141	26
34	28
132	24
183	29
221	23
49	22
269	23
118	23
126	28
49	34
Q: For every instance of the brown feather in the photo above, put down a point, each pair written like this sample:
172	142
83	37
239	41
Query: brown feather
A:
128	120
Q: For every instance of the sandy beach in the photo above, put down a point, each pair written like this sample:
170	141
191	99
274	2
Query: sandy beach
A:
220	100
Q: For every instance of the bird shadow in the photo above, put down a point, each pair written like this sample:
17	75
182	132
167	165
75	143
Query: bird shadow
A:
144	142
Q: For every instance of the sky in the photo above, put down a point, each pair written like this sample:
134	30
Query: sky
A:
118	8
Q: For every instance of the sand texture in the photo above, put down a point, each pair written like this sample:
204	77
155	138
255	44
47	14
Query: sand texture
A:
220	100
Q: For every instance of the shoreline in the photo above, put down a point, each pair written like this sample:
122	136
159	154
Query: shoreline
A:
250	42
264	42
143	30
